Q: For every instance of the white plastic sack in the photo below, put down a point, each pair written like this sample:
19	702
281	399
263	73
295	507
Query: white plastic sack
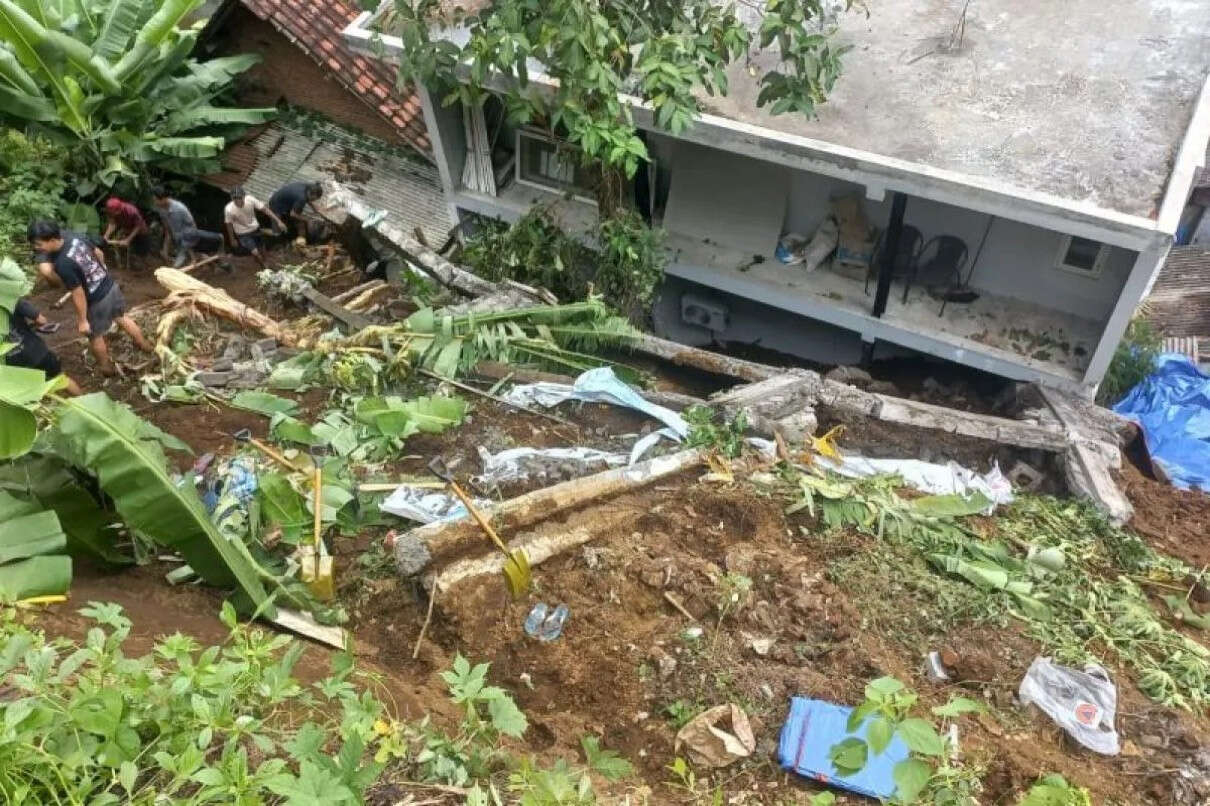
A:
516	464
1083	703
598	385
928	477
425	505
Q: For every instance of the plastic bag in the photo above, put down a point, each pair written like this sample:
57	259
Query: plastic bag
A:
1083	703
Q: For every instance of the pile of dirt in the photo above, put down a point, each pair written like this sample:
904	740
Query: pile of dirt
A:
1175	522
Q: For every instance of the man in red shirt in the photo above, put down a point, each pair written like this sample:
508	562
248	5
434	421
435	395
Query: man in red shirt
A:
125	226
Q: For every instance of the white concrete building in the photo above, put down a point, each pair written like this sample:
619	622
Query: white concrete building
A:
1056	141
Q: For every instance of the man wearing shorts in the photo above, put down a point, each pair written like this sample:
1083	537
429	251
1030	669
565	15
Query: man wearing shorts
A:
181	230
98	301
29	350
243	227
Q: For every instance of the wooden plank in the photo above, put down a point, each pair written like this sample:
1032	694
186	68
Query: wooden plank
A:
713	363
1088	476
351	319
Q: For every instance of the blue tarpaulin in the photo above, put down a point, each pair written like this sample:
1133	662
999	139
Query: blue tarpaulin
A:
1173	407
811	729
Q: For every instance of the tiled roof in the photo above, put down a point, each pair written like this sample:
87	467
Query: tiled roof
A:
1180	301
315	26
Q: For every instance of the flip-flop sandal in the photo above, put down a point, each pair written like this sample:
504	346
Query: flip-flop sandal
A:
49	327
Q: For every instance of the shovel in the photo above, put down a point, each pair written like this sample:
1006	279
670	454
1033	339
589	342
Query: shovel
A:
517	575
316	570
245	435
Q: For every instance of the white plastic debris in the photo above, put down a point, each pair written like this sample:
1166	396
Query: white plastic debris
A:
598	385
928	477
425	505
1083	703
517	464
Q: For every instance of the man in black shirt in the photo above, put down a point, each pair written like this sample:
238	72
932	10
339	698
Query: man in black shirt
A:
98	301
29	350
291	200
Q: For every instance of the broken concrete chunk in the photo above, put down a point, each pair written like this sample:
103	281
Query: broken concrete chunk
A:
856	376
236	346
215	378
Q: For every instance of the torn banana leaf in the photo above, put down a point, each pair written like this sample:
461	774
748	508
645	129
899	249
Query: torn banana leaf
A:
286	428
281	505
1183	612
263	403
127	455
951	506
31	558
49	484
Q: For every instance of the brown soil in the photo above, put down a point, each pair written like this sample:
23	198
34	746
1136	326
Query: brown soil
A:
623	669
1176	522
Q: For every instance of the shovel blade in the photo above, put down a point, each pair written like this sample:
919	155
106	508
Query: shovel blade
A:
517	574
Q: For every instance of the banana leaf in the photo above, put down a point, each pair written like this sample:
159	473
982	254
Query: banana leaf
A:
31	543
44	482
31	535
16	75
121	19
186	147
197	116
952	505
36	576
281	505
127	455
22	105
20	389
263	403
158	29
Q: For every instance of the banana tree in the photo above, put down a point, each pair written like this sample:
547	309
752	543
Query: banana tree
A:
114	79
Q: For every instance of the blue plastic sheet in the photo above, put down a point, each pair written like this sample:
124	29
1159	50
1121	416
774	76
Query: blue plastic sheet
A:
811	729
1173	407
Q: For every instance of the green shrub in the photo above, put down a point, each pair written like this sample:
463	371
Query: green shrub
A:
32	182
626	268
1133	361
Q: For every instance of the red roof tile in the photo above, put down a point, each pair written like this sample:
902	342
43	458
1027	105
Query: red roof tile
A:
315	26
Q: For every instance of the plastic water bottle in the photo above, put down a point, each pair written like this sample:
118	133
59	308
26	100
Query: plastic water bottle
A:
533	622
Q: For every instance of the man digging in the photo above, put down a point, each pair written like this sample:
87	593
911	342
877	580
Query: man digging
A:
98	301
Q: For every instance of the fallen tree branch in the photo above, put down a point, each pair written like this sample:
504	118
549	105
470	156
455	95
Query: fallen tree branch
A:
415	550
538	547
186	289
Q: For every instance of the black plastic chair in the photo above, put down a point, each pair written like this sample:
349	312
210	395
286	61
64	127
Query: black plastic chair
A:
905	262
946	263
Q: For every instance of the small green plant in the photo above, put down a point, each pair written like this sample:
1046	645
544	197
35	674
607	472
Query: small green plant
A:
685	780
1053	790
89	724
1133	360
726	439
679	712
733	590
822	799
565	785
886	714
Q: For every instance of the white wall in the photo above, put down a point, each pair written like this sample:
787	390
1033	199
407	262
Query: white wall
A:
1017	261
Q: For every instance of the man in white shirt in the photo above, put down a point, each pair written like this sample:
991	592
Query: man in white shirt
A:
243	227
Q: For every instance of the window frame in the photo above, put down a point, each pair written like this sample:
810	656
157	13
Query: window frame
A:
575	191
1098	265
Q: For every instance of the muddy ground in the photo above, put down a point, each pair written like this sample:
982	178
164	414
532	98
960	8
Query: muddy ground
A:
828	610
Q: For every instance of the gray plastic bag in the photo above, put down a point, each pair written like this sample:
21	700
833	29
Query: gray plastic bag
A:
1083	703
